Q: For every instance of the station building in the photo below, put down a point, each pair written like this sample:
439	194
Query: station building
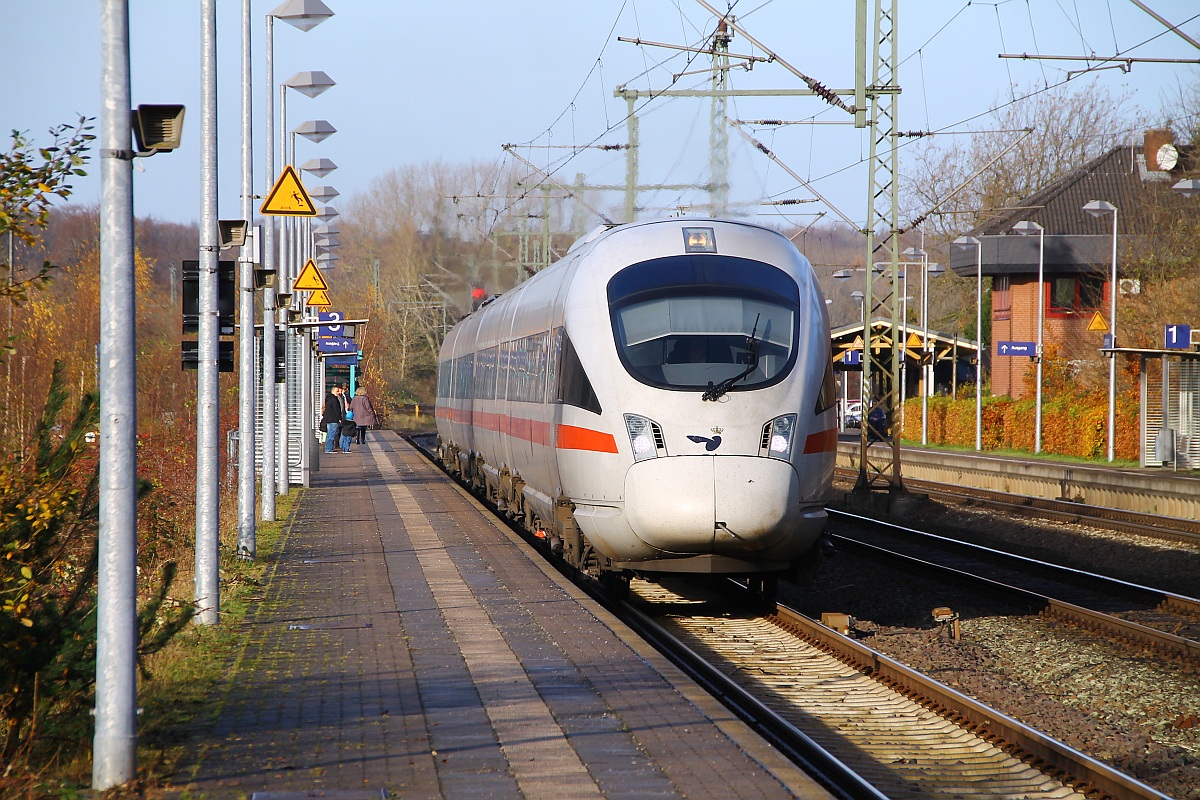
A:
1076	265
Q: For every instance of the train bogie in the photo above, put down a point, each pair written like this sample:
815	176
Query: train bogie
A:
659	400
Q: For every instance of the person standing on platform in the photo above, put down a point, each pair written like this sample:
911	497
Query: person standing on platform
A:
331	419
347	423
364	414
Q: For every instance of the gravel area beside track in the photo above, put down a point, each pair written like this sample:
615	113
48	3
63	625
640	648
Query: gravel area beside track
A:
1133	711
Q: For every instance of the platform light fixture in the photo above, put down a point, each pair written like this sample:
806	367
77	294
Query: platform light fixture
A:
310	82
302	14
315	130
319	166
1188	188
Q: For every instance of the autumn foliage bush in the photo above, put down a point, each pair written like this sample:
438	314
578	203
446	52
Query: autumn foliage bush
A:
1073	424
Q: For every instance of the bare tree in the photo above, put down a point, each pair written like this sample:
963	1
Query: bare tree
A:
1050	133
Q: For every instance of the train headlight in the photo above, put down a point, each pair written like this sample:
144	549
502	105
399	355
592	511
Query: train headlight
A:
644	436
778	435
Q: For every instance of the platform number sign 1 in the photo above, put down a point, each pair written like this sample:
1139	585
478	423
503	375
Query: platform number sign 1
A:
1178	337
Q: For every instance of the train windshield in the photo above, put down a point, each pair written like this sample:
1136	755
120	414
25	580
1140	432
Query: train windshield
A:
692	322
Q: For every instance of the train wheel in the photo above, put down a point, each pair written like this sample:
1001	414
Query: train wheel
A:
615	584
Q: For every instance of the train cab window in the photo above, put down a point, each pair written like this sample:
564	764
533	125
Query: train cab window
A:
685	322
572	384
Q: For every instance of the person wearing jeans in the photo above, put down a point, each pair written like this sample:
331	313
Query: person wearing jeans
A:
331	419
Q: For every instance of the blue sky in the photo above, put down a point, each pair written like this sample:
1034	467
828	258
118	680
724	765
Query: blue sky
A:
453	80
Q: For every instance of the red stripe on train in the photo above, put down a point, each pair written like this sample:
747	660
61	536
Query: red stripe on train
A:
821	442
570	437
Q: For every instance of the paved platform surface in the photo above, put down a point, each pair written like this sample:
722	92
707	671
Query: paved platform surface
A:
410	646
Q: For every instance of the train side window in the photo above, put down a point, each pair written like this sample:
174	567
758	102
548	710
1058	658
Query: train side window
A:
573	387
444	379
828	394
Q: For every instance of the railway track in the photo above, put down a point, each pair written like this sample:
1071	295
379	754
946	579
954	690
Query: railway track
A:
906	735
1139	616
1152	525
864	724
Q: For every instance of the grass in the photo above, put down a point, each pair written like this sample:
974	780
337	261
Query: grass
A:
409	423
187	674
177	699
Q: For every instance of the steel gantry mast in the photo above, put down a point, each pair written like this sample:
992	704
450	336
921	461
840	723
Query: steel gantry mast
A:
881	360
875	108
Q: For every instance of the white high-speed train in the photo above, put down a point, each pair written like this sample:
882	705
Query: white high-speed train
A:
659	400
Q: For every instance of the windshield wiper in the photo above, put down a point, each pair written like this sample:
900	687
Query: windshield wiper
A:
718	391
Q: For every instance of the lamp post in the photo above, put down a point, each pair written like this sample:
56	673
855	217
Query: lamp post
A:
1099	208
310	84
971	241
926	369
305	15
1028	228
964	242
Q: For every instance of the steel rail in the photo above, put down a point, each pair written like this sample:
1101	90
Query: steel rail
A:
1167	644
1068	765
1055	759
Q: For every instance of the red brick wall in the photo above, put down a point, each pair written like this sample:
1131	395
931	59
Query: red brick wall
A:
1070	335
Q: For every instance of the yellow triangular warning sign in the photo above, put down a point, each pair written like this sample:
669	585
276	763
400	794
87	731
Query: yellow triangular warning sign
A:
288	197
310	279
1098	323
913	341
319	298
858	343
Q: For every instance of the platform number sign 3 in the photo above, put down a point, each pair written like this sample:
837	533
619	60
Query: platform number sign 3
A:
332	326
1178	337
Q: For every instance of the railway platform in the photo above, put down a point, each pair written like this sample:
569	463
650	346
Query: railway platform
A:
1160	491
409	645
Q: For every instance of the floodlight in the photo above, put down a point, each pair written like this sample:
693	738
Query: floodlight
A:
157	128
233	232
264	278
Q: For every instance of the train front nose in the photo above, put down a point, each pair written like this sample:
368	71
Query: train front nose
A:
726	505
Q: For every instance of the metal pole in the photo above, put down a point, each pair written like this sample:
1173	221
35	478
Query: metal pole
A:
979	345
285	282
269	263
1112	359
306	407
246	383
208	478
1037	423
114	746
925	371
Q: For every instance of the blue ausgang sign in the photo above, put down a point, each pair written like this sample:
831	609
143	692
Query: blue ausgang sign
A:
1016	348
336	346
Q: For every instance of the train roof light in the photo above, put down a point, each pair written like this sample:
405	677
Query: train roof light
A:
699	240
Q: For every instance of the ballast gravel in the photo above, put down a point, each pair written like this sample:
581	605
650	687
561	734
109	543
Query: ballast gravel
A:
1134	711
